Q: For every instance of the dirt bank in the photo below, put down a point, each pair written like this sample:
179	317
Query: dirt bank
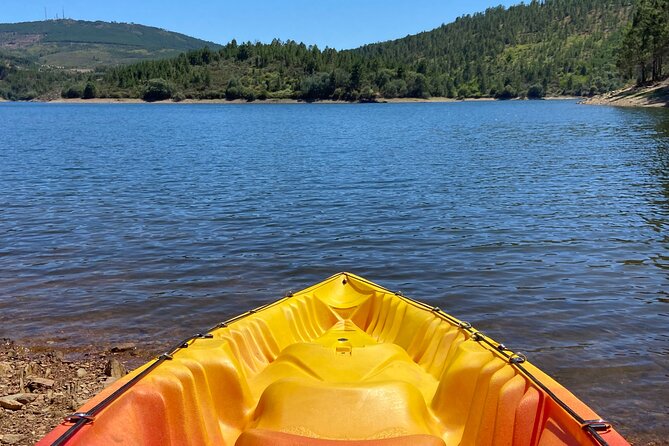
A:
652	95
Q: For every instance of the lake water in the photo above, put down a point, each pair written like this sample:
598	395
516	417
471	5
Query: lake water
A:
545	224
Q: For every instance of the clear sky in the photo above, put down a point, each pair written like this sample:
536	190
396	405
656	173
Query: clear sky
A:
338	24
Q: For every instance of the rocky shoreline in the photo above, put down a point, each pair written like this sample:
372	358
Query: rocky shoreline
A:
650	95
41	385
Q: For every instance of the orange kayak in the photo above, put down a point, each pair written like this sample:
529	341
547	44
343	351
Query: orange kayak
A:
344	362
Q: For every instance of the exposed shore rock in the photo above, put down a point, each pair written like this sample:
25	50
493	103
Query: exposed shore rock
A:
124	347
9	403
652	95
114	368
36	384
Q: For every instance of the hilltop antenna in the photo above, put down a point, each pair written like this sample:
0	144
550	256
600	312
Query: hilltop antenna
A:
45	19
63	17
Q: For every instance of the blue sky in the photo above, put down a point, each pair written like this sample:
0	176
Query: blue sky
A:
338	24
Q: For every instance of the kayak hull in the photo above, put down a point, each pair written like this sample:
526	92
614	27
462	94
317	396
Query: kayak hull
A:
342	362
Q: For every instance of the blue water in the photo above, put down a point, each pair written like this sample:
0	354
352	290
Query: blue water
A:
543	223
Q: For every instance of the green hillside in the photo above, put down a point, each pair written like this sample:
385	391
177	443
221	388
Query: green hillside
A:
562	46
555	47
558	47
81	44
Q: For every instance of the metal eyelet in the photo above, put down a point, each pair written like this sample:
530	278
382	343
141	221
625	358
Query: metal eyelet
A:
517	358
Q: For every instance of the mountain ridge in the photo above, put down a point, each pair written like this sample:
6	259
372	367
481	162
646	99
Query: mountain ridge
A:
83	44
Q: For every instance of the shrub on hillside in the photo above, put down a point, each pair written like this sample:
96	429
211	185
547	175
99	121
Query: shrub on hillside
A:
157	90
536	91
89	91
72	92
508	93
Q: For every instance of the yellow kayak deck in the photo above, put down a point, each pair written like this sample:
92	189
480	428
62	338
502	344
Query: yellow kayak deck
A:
343	362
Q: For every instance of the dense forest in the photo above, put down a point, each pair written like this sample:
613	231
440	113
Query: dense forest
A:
646	41
556	47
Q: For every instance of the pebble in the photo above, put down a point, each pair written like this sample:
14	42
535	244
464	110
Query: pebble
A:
35	383
10	403
32	369
81	372
123	347
109	381
6	369
10	438
114	368
23	398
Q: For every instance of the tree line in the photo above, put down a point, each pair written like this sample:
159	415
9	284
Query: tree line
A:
646	41
557	47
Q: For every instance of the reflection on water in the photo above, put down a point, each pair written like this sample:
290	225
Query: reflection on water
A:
543	223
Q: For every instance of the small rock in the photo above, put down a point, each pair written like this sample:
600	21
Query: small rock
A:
23	398
6	369
33	369
73	404
109	381
123	347
81	372
35	383
10	403
10	438
114	368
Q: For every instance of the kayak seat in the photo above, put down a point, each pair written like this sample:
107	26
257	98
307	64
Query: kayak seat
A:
370	410
264	437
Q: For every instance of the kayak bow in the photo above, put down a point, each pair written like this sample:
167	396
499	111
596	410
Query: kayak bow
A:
344	362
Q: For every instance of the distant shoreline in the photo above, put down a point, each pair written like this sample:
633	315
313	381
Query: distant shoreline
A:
287	101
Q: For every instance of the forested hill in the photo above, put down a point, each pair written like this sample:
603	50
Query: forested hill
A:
82	44
560	47
556	47
564	46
